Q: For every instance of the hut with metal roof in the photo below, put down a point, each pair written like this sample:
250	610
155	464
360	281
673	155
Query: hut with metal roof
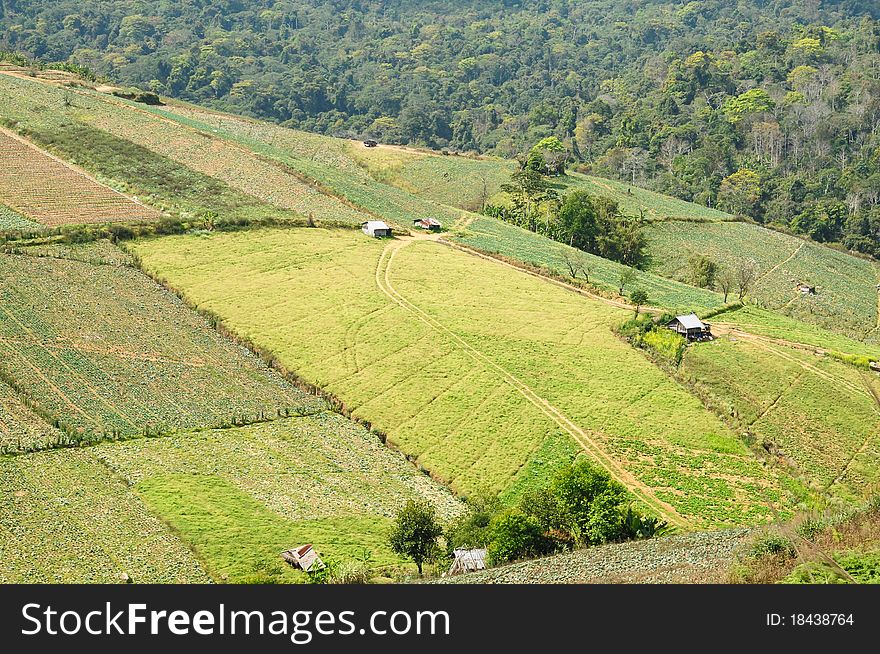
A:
691	327
468	560
304	557
376	228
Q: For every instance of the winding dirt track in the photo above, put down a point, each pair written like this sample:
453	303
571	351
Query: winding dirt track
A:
584	438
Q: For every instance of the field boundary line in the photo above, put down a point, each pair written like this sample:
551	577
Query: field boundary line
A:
620	304
781	263
639	489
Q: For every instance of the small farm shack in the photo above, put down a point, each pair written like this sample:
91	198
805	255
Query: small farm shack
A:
874	365
370	143
376	228
428	224
806	289
304	557
468	560
691	327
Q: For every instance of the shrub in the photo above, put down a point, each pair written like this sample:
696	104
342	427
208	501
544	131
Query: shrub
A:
591	503
515	535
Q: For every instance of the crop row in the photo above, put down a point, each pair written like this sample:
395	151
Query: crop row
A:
105	352
497	237
846	295
28	102
51	193
815	414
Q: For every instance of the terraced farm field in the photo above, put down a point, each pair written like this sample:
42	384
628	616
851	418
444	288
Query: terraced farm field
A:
49	192
27	101
490	377
240	496
65	518
333	162
107	352
774	325
823	416
846	300
497	237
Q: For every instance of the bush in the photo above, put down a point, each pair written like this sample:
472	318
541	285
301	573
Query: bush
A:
591	503
472	528
515	535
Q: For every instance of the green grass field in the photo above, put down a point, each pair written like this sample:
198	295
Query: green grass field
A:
466	182
497	237
823	415
65	518
476	369
846	300
106	352
328	160
238	497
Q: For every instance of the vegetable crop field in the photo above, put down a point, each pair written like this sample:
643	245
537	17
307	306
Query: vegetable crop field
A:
106	352
332	162
846	298
12	221
65	518
475	369
240	496
21	428
821	416
497	237
27	103
51	193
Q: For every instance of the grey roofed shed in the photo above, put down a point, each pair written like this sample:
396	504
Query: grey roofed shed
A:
691	326
468	560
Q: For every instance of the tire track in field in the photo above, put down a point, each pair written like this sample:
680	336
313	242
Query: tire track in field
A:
781	263
639	489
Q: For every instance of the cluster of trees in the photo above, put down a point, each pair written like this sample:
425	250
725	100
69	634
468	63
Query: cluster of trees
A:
767	109
582	505
584	221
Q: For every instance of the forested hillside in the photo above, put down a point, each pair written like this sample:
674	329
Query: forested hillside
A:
765	109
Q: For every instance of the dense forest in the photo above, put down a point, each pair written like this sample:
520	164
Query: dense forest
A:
769	109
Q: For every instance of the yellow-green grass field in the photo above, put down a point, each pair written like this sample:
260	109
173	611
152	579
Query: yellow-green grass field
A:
846	299
497	237
102	351
238	497
65	518
467	182
485	374
821	414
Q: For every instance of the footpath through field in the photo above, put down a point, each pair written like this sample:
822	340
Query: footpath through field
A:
582	437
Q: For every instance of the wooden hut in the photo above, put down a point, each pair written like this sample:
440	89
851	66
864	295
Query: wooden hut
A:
691	327
370	143
304	557
468	560
428	224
